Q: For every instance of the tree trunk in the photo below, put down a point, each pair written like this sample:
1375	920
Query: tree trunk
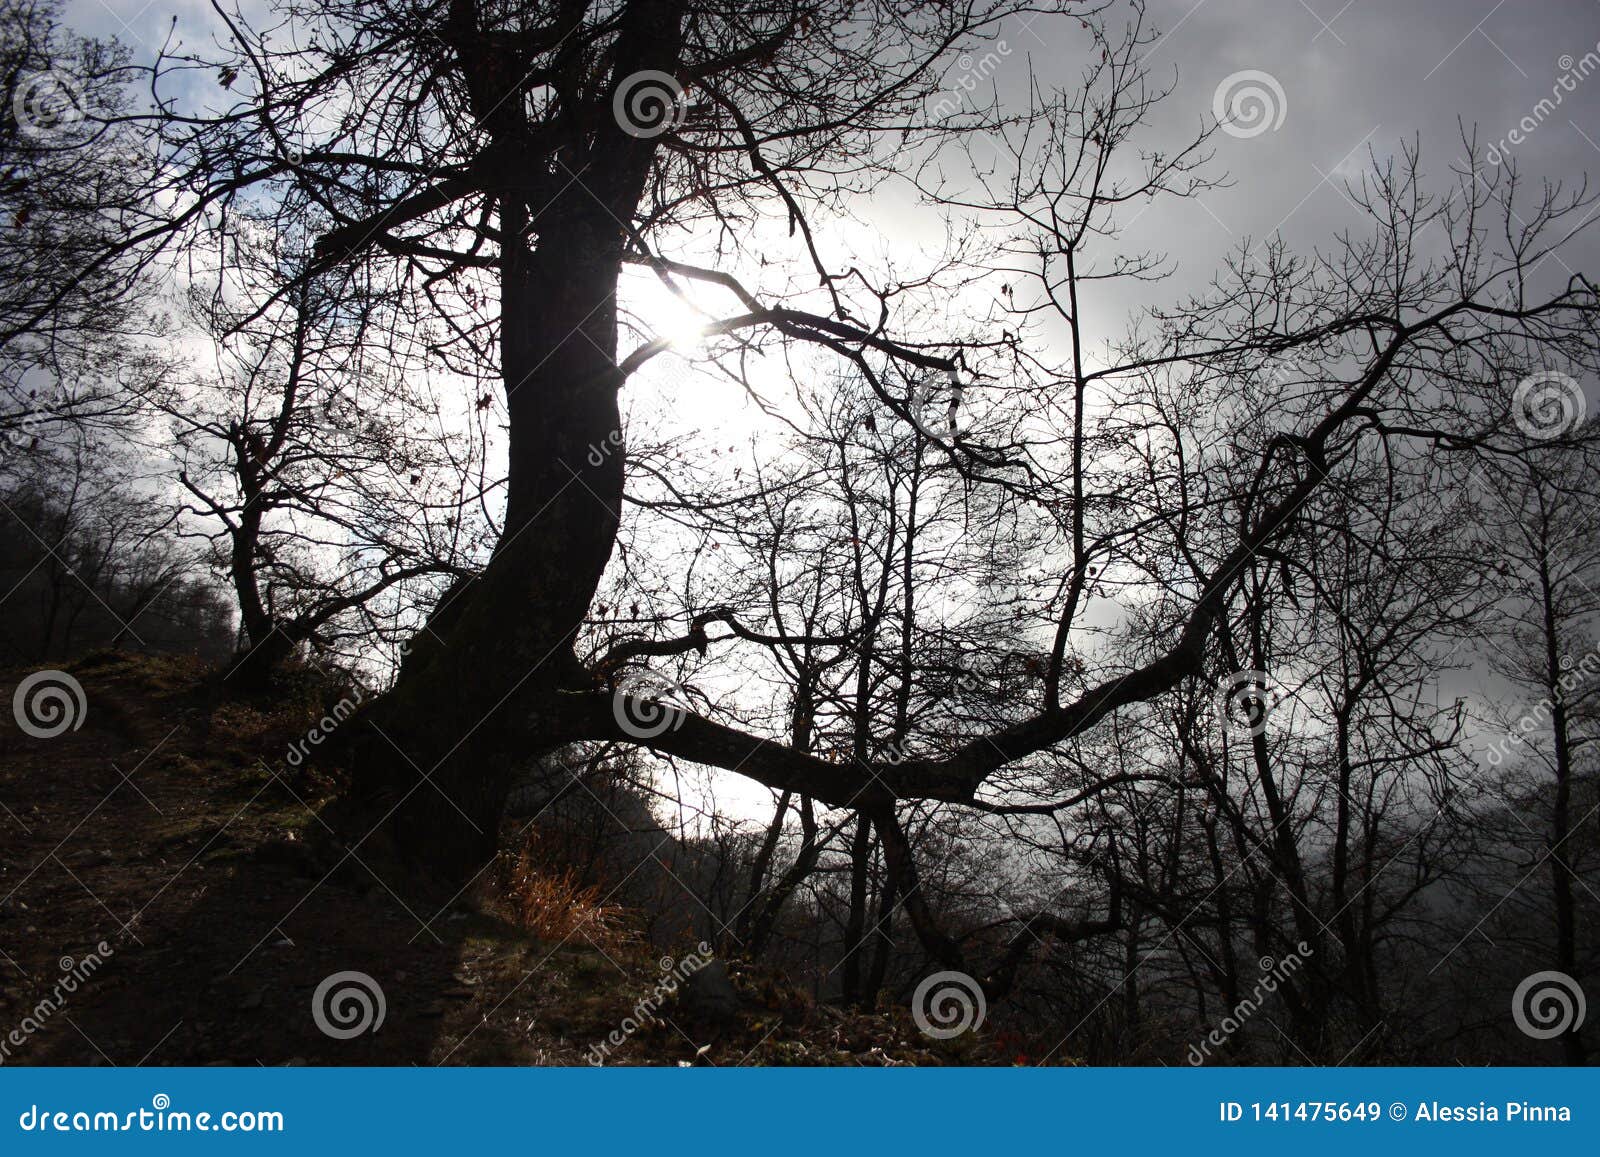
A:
478	692
265	645
1562	875
856	922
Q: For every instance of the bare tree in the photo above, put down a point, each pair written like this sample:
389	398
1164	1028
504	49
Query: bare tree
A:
70	167
320	461
499	157
1544	643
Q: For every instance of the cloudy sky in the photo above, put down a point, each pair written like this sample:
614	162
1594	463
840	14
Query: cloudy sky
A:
1355	75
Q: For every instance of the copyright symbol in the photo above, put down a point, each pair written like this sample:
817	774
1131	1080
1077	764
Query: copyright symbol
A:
1397	1111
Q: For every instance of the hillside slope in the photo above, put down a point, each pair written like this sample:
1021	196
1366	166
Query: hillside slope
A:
166	898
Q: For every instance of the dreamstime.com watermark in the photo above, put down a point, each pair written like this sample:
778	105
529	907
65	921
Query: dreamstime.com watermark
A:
1248	103
672	973
972	72
49	703
1547	1004
935	406
26	429
947	1004
324	727
1572	677
159	1118
1243	701
347	1004
73	974
643	704
649	103
1548	404
1572	71
1275	972
611	445
47	105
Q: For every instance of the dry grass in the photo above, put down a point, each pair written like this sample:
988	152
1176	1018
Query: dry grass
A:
553	904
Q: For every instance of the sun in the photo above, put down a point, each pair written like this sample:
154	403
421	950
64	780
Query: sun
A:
662	315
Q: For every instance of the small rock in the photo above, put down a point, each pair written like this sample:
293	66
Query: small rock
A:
708	992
